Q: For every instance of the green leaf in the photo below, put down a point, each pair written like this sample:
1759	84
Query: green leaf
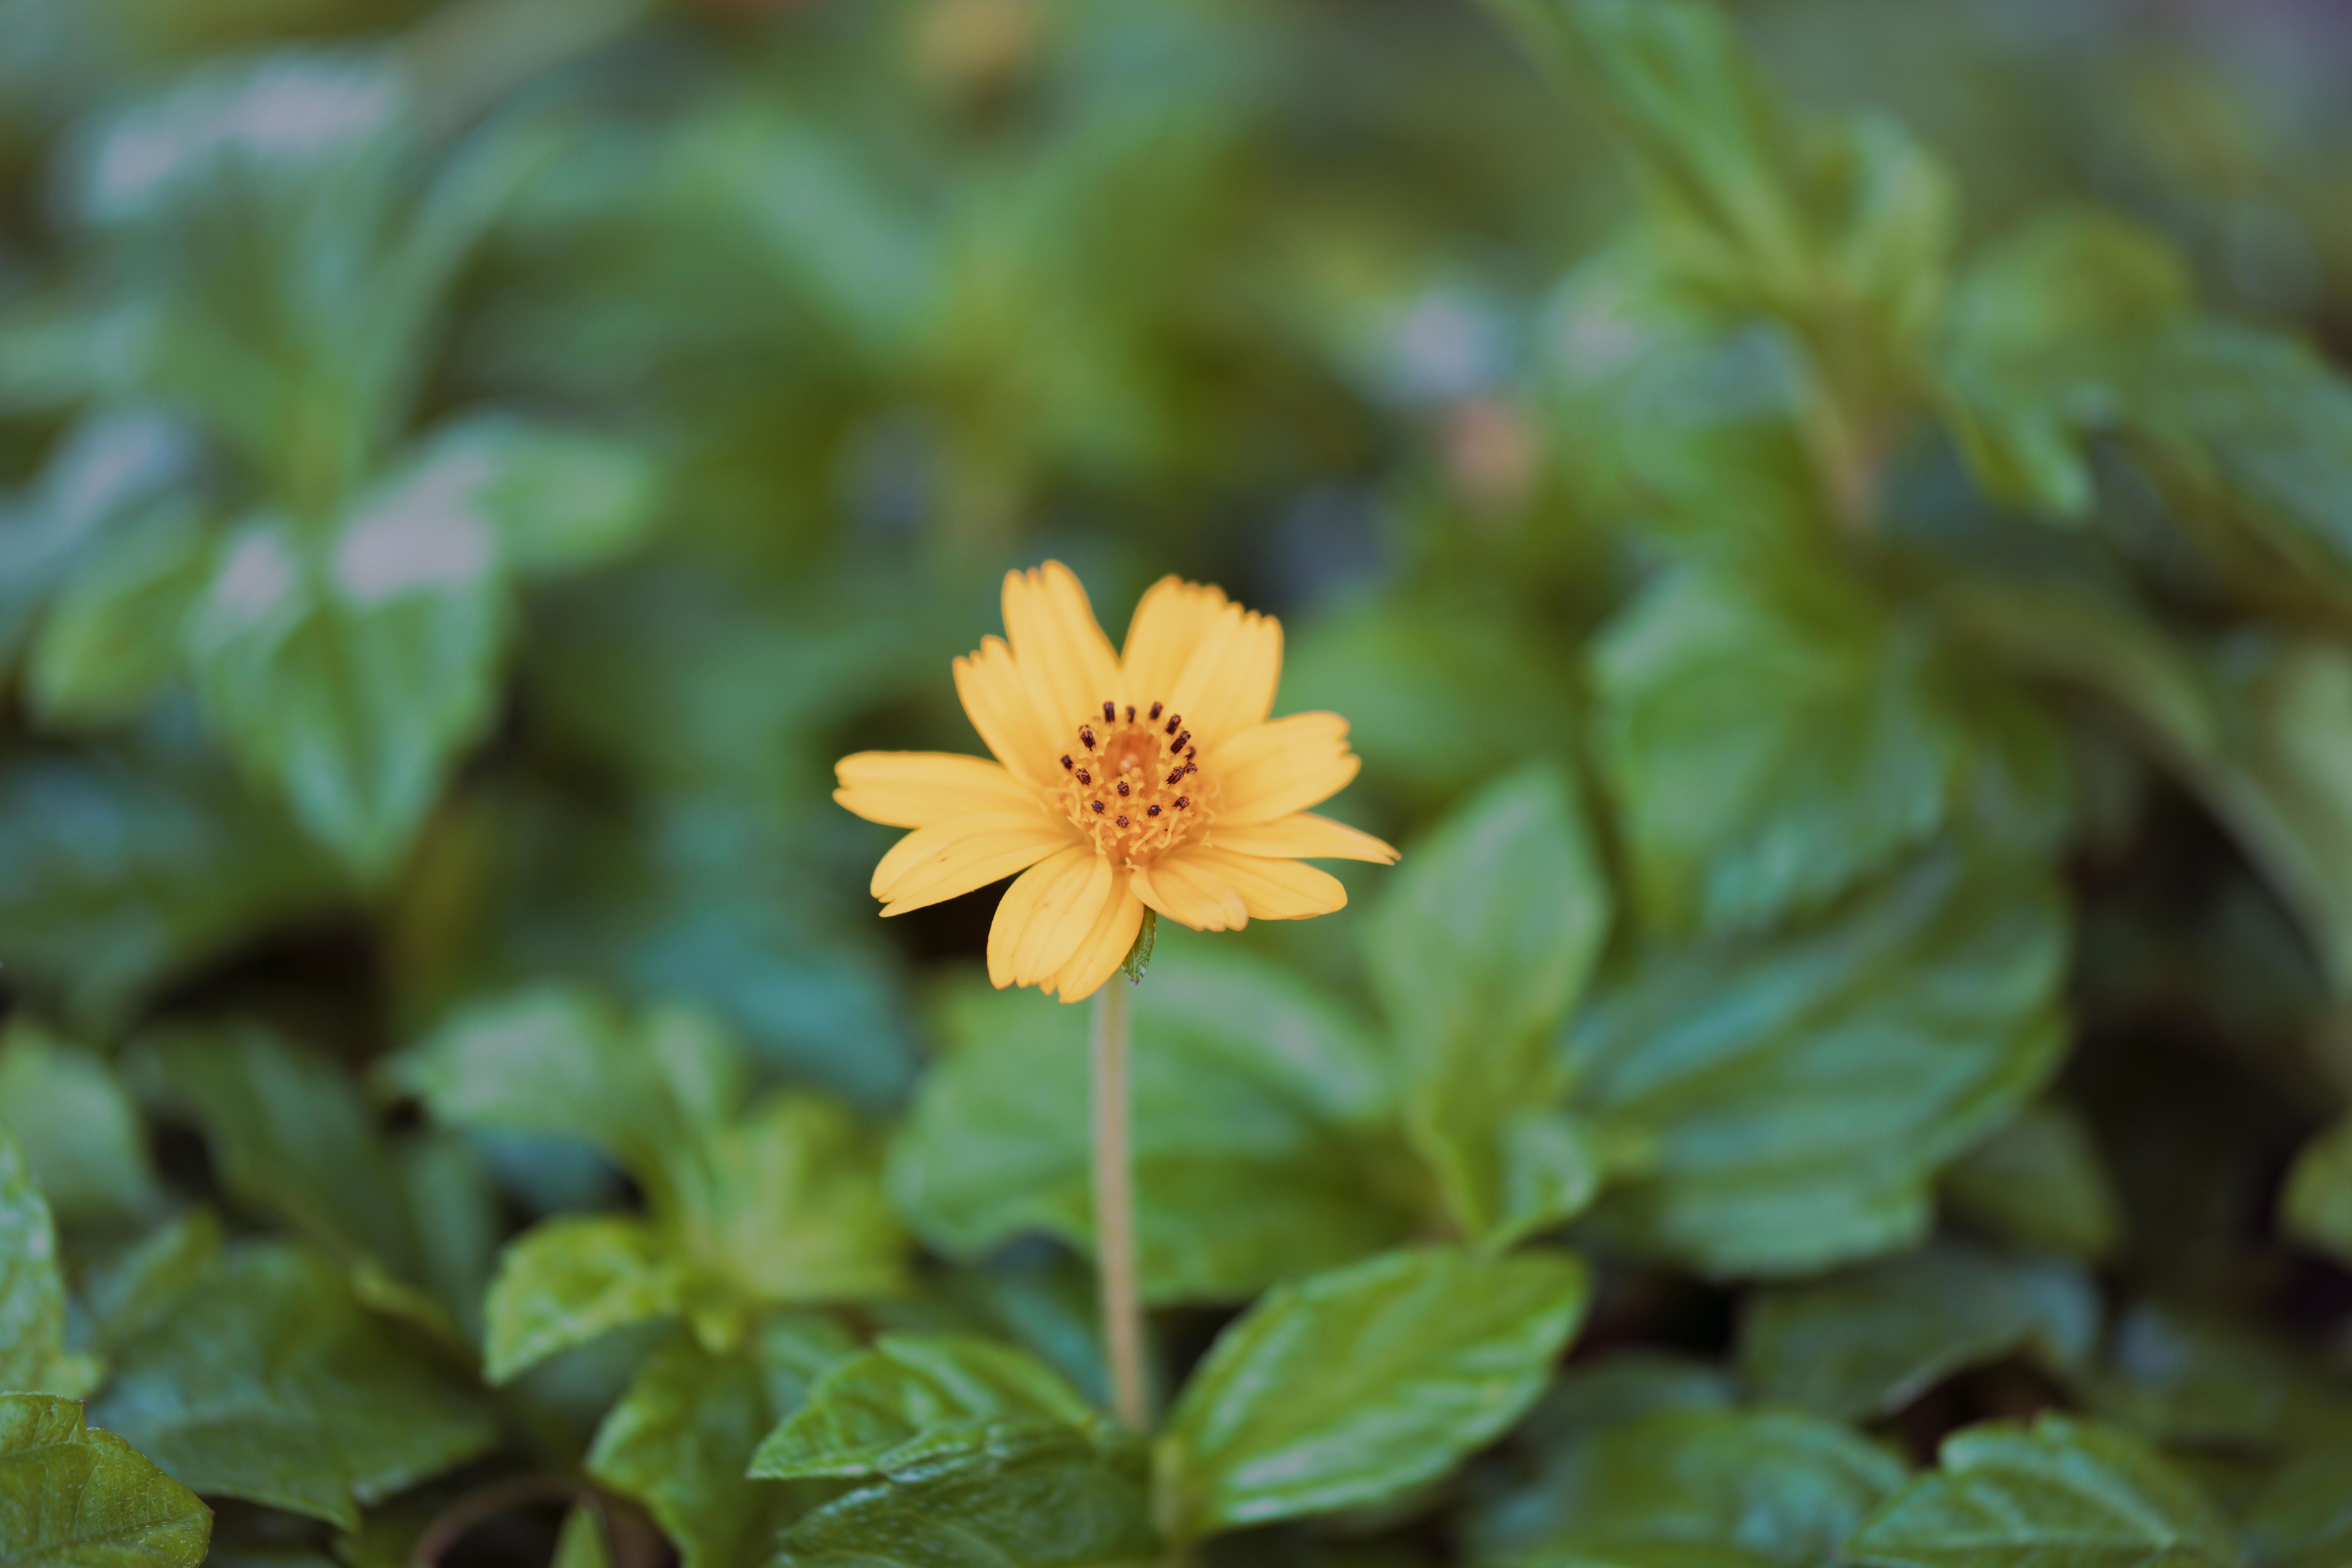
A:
1772	738
1260	1111
908	1397
1480	947
1868	1341
2038	1184
2192	1377
74	1498
570	1280
33	1355
555	501
1796	1093
263	1379
2316	1208
2303	1516
79	1132
110	642
2056	1495
680	1441
1042	1498
582	1543
349	675
1696	1487
1354	1385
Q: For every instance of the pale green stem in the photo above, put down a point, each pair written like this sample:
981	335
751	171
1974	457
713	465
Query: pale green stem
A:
1122	1297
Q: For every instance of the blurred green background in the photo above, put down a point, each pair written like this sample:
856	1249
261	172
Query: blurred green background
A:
666	386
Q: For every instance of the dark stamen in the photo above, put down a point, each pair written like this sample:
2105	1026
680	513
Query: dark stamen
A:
1151	811
1177	774
1066	765
1122	786
1173	721
1110	714
1121	821
1193	752
1130	713
1097	805
1182	800
1085	777
1181	741
1088	736
1155	712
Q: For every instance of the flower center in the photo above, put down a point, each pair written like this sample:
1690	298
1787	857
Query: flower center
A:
1131	780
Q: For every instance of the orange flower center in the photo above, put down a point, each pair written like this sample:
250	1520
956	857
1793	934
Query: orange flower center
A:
1132	782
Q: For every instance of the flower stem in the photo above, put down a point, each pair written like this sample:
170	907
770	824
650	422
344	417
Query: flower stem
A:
1122	1297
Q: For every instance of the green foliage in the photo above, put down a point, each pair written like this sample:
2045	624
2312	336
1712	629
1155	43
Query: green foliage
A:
2049	1494
1851	631
74	1498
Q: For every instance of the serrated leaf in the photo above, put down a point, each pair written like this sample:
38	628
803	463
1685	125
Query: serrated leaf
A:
74	1498
263	1379
1772	739
1258	1114
348	676
1867	1342
1696	1487
33	1355
79	1133
573	1280
2037	1183
1354	1385
1040	1497
1796	1094
2058	1494
912	1396
1481	945
681	1438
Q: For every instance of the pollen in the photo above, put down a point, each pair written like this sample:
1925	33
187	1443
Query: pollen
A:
1142	758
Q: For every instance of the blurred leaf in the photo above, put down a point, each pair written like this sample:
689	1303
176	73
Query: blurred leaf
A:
554	501
582	1543
682	1438
887	1409
2316	1208
1867	1342
1354	1385
264	1380
2302	1518
2061	1493
1259	1109
1797	1092
122	869
349	673
1043	1497
2189	1377
1700	1488
1480	947
790	1205
2037	1183
33	1355
110	642
73	1497
1772	740
78	1131
572	1280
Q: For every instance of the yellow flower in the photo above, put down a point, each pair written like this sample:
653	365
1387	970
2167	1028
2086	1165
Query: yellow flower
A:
1146	779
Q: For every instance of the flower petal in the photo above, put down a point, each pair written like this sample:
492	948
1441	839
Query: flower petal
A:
965	852
1192	894
1017	911
1062	919
1271	890
1301	836
915	789
1167	624
1276	769
995	697
1104	947
1227	686
1066	663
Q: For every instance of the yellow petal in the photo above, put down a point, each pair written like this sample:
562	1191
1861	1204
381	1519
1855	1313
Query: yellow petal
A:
1276	769
1227	686
963	853
995	698
1066	661
1104	947
1063	918
1271	890
915	789
1192	894
1302	835
1017	909
1169	622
